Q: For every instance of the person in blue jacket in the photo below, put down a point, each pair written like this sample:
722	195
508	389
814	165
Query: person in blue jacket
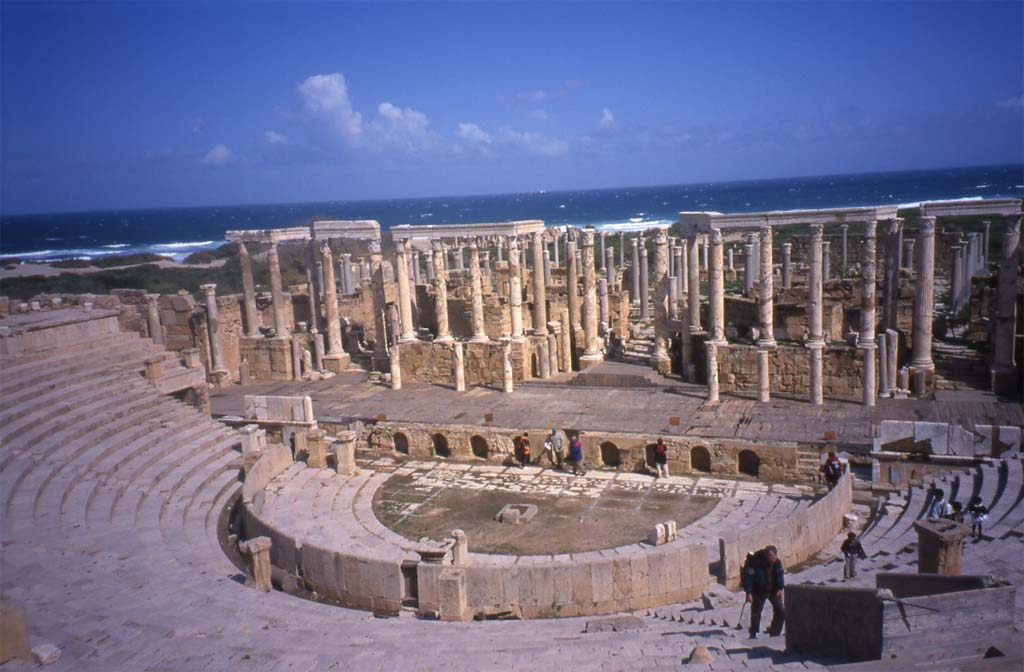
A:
576	456
763	581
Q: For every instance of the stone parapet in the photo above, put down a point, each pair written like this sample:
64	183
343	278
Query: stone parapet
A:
790	367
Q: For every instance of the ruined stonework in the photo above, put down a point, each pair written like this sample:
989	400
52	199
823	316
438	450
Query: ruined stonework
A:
790	366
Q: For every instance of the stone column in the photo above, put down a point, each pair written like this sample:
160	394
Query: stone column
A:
345	278
716	288
693	271
336	359
787	267
156	331
622	249
515	290
766	318
645	293
892	342
866	337
984	244
922	369
458	367
730	264
430	267
252	316
609	268
212	322
908	253
404	299
281	327
485	265
748	266
540	308
890	287
257	550
476	293
826	263
602	295
460	262
296	357
380	351
660	360
416	277
957	289
345	453
704	254
1004	379
634	272
883	366
395	364
314	288
673	296
843	248
680	272
684	273
506	366
592	351
815	340
711	349
440	291
603	250
547	267
565	334
571	278
554	360
555	246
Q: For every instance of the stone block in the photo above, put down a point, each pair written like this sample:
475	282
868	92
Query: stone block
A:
656	536
935	433
601	576
45	654
14	643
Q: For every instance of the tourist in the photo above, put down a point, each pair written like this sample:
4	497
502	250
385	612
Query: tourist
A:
661	458
977	514
852	549
958	512
557	440
940	507
576	456
763	581
522	449
833	469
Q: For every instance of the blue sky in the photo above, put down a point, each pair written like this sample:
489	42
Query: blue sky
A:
108	105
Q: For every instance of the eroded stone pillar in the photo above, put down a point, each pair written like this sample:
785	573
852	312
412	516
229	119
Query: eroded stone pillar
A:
748	266
395	364
645	292
634	272
460	262
843	248
693	272
458	367
957	290
765	306
1004	376
892	342
891	275
156	330
711	349
380	351
565	334
684	271
296	357
787	267
592	351
506	366
609	268
602	297
257	551
908	253
826	261
476	293
345	453
602	249
336	359
213	325
540	308
571	278
281	326
515	290
922	368
547	267
704	254
404	297
815	340
252	316
660	359
984	244
622	249
346	280
716	289
441	291
866	337
680	274
883	366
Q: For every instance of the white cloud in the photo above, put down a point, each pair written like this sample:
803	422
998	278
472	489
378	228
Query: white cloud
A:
533	143
406	128
325	97
540	113
473	134
219	155
607	119
275	138
1012	103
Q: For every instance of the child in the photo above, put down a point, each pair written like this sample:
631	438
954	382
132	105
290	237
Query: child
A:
978	514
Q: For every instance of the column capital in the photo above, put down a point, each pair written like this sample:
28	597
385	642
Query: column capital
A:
151	298
587	238
926	226
437	245
660	236
209	288
374	246
816	230
635	241
716	236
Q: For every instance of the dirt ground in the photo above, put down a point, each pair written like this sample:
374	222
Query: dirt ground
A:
562	524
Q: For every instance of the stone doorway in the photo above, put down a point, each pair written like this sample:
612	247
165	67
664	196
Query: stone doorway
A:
401	443
610	455
749	463
440	444
479	446
700	459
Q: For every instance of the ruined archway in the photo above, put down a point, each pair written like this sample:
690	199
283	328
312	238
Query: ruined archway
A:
401	442
479	446
749	463
610	455
440	445
700	459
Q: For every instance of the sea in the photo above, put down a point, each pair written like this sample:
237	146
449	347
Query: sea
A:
177	232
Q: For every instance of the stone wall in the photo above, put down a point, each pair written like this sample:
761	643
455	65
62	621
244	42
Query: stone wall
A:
431	362
790	368
798	537
269	358
776	461
834	622
789	319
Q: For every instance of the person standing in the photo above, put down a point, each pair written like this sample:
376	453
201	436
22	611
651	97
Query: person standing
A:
977	515
940	507
763	581
522	449
576	456
661	458
557	440
833	469
852	550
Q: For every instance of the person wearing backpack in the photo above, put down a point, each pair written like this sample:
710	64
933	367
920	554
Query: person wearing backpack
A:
576	456
833	470
661	458
763	581
852	550
522	449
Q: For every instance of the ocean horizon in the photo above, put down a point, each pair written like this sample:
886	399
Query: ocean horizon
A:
180	231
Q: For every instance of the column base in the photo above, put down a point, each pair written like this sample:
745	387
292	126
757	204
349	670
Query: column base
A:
444	339
479	339
662	365
922	379
336	363
407	338
1004	379
219	378
586	361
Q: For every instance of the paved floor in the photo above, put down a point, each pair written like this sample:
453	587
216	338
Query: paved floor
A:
620	409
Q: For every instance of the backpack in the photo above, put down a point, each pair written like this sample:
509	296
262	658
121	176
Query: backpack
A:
833	469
